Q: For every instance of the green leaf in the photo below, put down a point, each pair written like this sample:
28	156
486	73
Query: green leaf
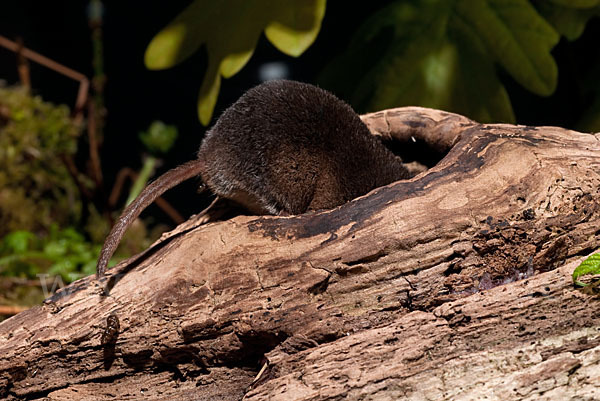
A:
142	179
443	54
62	267
17	242
63	251
230	30
589	266
419	60
518	38
568	19
419	53
295	28
56	249
71	235
476	90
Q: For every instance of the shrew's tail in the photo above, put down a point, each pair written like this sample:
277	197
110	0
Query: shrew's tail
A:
162	184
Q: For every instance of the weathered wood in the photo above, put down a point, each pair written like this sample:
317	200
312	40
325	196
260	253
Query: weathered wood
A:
451	285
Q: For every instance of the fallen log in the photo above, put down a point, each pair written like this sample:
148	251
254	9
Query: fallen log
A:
454	284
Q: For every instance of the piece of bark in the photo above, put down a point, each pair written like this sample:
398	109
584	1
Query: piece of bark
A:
454	284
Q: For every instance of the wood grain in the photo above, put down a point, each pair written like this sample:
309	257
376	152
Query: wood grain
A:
451	285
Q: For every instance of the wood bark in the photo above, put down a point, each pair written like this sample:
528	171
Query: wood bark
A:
453	285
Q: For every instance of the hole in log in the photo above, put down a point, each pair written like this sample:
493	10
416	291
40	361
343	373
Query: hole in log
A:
415	151
255	344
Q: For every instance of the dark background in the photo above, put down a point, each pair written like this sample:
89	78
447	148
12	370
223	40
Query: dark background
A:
135	96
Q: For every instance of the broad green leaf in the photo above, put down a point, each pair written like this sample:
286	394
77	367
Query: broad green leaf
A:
209	91
443	54
296	28
230	30
589	266
168	48
567	19
419	53
476	91
419	61
368	49
517	37
388	55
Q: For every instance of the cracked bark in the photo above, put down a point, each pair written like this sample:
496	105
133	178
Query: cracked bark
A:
411	291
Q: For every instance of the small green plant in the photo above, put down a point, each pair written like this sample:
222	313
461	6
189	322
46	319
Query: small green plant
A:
40	201
589	266
158	140
40	205
62	252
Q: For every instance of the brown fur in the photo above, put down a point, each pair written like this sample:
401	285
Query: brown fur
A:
283	147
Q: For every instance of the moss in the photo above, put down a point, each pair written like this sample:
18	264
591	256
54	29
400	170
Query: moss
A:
36	188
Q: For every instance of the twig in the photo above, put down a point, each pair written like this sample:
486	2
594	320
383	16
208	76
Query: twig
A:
84	83
72	169
12	310
93	145
23	66
9	282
